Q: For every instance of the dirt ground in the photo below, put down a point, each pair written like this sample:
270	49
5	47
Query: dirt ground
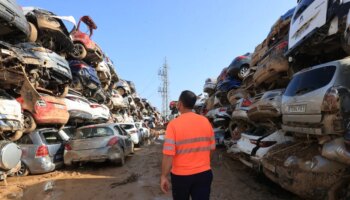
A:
138	179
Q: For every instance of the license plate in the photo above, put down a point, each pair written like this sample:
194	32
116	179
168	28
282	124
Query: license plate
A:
270	167
59	106
297	108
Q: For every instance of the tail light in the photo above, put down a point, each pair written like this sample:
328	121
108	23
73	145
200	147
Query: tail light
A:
222	109
246	103
67	147
253	142
241	58
282	45
95	106
331	100
112	141
41	103
79	65
42	151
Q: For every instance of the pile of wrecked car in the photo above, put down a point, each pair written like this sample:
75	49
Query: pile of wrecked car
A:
61	95
284	110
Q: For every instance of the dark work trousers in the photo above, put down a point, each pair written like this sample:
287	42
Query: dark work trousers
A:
197	186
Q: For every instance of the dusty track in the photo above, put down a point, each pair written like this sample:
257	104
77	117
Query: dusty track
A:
138	179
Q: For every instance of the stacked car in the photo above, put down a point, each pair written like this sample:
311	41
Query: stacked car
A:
55	82
284	109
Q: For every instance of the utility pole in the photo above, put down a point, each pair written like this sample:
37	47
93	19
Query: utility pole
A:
164	88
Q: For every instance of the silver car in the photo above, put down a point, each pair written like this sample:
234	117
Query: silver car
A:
317	100
42	151
98	143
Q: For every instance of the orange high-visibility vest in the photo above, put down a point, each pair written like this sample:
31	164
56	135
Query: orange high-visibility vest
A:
189	138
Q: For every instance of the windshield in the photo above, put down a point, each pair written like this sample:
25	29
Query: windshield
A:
127	126
91	132
303	4
310	81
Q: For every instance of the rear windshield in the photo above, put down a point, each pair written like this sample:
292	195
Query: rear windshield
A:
126	126
302	6
69	131
92	132
51	137
310	80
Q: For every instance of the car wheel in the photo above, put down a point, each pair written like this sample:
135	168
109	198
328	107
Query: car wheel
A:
62	90
33	36
243	71
23	171
79	51
122	157
14	136
29	122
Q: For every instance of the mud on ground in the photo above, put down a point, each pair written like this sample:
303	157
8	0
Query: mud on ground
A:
139	179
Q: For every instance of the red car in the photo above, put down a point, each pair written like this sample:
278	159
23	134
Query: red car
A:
84	47
48	110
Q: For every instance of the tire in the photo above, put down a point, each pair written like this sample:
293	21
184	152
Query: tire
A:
63	91
14	136
79	51
122	158
243	72
23	171
33	35
132	148
29	122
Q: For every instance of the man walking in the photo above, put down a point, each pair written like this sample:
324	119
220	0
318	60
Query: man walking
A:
187	147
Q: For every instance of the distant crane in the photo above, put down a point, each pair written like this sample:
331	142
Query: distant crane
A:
164	88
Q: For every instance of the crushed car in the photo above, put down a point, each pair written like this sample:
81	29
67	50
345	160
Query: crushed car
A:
11	117
84	47
13	24
48	110
45	69
52	32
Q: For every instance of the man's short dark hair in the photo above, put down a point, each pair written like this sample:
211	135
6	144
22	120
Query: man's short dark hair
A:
188	99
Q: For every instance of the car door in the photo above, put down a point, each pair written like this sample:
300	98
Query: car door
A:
126	138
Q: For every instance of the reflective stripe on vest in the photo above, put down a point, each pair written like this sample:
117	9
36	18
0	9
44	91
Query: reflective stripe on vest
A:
168	148
193	150
194	140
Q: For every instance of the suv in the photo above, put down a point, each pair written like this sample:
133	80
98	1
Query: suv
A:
319	27
317	100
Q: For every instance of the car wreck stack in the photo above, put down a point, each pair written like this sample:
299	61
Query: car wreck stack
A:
53	77
284	109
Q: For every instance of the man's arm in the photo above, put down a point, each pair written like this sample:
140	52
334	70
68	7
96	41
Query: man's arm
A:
166	167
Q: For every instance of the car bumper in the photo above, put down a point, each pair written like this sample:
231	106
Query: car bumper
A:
80	115
42	165
94	155
135	138
270	67
263	112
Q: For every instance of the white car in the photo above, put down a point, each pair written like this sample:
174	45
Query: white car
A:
145	131
79	108
100	112
104	73
253	147
118	100
132	130
11	117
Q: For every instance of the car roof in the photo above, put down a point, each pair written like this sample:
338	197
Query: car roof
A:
98	125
